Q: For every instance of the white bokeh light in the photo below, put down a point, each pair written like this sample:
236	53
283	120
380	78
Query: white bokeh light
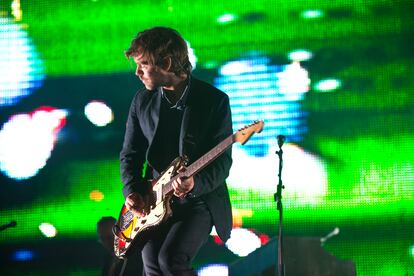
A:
328	85
226	18
294	80
300	55
48	230
213	270
312	14
242	242
98	113
27	140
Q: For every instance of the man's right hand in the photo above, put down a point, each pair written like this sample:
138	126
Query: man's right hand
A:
136	204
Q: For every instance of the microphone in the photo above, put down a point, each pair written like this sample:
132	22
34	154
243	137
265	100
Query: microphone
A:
330	235
8	225
280	140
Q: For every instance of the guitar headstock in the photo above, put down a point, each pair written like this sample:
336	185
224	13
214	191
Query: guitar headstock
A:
243	135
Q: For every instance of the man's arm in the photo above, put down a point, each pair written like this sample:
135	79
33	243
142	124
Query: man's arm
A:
132	155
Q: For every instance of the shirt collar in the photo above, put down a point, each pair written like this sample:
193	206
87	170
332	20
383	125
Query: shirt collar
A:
180	105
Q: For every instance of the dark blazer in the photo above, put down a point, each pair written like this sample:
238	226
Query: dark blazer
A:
206	122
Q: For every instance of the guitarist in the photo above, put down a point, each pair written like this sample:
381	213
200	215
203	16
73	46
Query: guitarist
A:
174	115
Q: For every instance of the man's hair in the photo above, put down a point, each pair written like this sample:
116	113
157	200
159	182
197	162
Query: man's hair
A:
158	43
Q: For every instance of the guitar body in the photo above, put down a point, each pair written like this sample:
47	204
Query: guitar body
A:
129	229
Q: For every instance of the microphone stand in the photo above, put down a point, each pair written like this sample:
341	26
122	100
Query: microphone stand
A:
278	200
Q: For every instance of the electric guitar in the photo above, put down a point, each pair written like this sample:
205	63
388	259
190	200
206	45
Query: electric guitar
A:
131	229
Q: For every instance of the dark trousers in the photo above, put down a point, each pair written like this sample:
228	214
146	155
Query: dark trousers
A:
175	243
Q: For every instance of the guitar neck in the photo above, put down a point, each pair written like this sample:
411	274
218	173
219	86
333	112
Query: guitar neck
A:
202	162
208	157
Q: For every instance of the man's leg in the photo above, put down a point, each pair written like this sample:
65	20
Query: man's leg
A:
150	258
189	231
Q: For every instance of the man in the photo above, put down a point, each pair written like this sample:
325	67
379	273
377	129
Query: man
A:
175	115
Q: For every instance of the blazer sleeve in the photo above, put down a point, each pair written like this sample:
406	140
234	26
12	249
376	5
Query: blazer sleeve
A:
132	156
215	174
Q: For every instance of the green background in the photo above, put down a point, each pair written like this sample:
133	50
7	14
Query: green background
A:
363	131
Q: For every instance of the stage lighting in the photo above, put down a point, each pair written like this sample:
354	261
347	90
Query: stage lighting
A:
27	141
21	69
214	270
96	195
191	56
312	14
260	90
328	85
226	18
48	230
242	242
98	113
23	255
300	55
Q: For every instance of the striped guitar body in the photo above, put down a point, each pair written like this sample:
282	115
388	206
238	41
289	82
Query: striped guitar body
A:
130	230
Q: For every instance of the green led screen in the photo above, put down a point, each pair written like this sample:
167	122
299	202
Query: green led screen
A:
334	77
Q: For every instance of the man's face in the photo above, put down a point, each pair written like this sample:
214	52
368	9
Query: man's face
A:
152	76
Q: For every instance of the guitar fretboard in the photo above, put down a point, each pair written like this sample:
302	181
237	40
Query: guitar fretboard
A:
200	163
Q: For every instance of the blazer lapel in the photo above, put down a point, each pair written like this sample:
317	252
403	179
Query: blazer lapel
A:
184	129
154	118
189	123
155	115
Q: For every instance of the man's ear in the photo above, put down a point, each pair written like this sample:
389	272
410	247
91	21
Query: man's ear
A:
166	64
